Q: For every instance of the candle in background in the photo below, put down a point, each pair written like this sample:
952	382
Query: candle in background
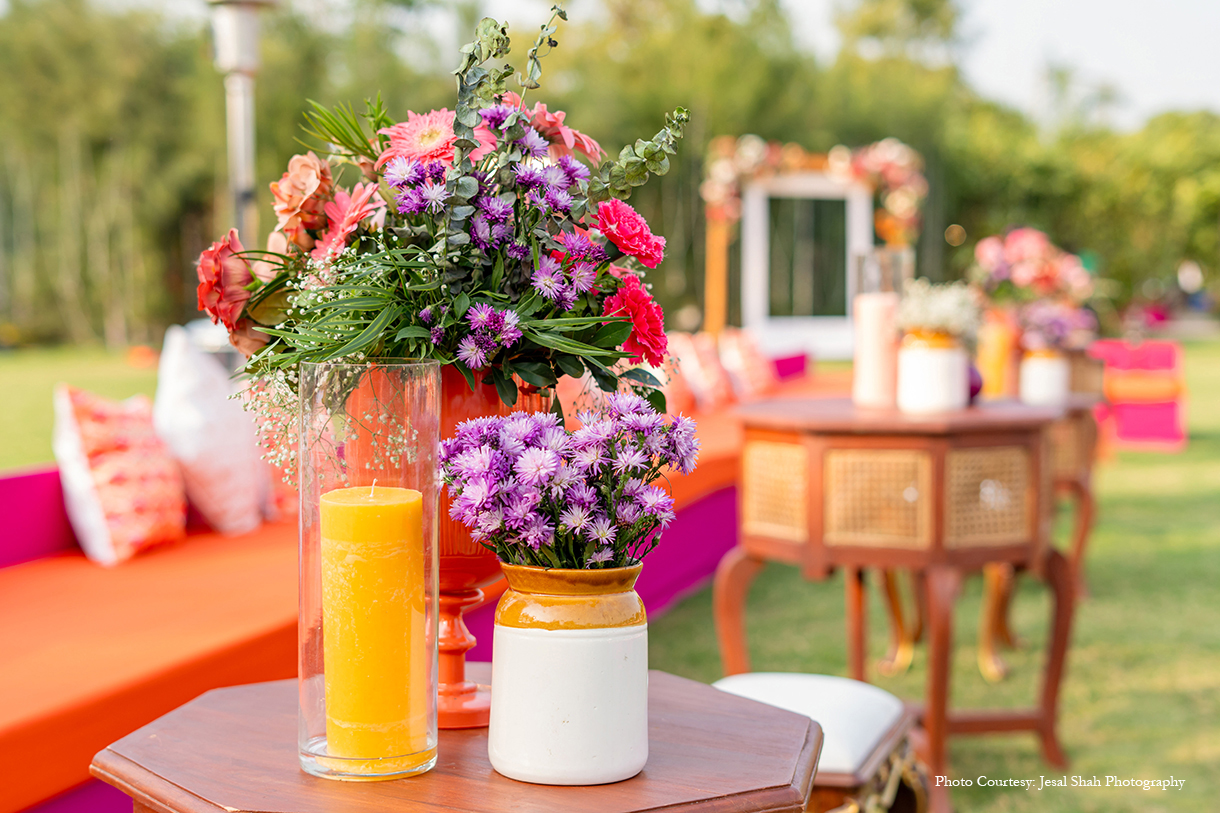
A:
875	367
374	630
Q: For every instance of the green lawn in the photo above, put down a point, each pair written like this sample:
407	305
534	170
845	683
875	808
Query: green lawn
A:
1142	694
27	379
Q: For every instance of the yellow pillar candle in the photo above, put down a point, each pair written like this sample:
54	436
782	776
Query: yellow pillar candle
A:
374	630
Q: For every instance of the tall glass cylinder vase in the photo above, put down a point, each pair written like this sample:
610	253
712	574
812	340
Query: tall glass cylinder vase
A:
369	438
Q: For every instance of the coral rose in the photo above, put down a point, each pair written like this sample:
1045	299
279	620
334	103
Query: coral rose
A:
223	278
647	341
300	197
624	227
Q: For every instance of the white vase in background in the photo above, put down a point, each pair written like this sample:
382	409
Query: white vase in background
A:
933	373
1046	377
874	373
569	677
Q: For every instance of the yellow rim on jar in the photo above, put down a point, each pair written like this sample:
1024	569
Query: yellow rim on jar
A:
929	340
559	599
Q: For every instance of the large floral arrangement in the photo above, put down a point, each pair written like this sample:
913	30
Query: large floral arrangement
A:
952	308
1055	325
477	236
1024	265
895	171
539	495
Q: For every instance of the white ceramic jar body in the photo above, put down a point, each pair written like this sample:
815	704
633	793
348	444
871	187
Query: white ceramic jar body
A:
933	374
1046	378
569	684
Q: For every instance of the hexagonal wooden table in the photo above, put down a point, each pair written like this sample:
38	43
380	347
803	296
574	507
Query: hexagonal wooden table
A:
233	750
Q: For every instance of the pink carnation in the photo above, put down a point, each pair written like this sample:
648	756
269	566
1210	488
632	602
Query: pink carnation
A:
430	137
1026	244
624	227
345	213
223	277
989	252
647	341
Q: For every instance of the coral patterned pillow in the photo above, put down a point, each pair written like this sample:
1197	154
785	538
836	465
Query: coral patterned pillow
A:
699	362
752	373
122	490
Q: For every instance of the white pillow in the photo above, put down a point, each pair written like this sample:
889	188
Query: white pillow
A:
209	434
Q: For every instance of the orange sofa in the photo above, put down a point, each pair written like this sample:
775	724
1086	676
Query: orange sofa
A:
89	654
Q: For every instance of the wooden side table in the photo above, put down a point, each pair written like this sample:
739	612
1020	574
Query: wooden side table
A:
235	750
827	485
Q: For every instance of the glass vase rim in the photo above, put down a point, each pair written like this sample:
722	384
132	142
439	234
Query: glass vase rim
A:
395	361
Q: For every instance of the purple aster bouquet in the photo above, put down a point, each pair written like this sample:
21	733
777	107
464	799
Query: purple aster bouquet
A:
539	495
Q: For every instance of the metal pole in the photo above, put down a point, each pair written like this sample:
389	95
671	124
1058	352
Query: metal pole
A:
239	108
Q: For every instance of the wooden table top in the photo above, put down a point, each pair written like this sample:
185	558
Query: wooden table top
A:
841	416
233	750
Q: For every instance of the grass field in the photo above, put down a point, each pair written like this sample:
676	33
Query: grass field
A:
1142	695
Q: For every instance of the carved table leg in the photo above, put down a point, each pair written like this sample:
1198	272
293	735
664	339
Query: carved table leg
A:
857	627
1059	578
993	621
944	584
1086	510
734	574
902	641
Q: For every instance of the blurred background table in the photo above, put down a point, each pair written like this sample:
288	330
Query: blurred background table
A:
234	750
826	485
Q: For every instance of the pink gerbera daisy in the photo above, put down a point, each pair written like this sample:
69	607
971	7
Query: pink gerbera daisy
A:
429	137
344	214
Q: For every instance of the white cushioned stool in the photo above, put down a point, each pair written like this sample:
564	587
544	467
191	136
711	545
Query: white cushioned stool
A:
867	761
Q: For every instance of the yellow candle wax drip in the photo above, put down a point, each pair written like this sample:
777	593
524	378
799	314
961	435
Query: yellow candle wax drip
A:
373	629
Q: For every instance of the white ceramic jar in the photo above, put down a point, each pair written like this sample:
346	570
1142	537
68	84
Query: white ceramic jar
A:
569	677
1046	378
933	373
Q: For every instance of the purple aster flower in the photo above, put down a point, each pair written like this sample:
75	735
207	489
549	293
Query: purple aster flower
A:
425	315
582	276
655	501
480	316
520	511
538	533
509	333
580	247
558	200
595	430
683	447
437	334
589	459
537	466
626	403
533	144
471	354
633	488
518	251
554	438
490	522
582	494
480	232
494	117
400	172
599	556
473	463
555	178
433	196
436	171
646	422
527	176
629	513
548	279
536	198
600	530
566	299
575	170
495	209
575	518
411	202
629	459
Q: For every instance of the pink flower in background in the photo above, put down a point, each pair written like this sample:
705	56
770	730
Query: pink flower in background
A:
429	137
624	227
223	277
1026	244
563	138
345	213
300	197
647	341
266	269
989	252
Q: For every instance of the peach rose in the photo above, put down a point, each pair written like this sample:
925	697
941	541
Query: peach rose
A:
247	338
300	197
